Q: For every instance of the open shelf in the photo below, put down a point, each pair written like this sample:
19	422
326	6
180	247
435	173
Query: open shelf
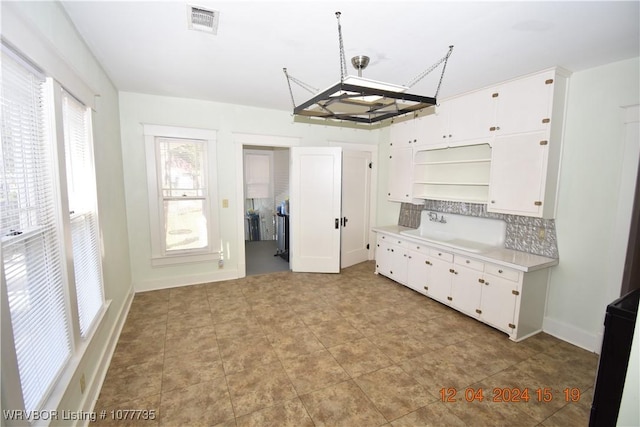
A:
453	174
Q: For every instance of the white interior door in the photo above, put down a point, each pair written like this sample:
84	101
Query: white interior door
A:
316	187
356	186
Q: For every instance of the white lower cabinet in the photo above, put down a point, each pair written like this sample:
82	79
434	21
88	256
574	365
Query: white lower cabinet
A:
465	288
509	300
391	258
417	267
439	276
498	302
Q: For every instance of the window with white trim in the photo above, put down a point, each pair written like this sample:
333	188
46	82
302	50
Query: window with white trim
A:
182	194
51	267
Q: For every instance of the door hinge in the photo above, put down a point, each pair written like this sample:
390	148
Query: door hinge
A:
370	165
512	326
516	293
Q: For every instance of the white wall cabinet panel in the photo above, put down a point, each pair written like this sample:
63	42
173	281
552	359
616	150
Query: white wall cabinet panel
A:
400	174
404	134
521	120
518	174
469	117
524	105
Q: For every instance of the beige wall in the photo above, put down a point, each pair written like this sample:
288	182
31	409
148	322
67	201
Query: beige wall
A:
227	120
593	202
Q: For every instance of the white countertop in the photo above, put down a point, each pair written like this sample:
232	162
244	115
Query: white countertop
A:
506	257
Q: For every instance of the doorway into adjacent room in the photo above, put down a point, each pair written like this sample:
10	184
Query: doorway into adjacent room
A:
266	192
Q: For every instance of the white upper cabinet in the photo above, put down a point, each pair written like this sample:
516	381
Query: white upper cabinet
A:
403	134
400	174
524	105
518	174
468	117
526	151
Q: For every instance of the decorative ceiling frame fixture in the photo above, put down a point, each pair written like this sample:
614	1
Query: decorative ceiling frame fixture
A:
361	100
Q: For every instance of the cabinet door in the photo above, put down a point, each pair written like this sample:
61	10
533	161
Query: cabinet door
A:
391	261
466	290
438	282
417	271
400	174
403	134
471	116
432	129
498	302
524	105
518	174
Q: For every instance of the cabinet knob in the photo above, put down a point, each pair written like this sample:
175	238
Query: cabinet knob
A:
481	280
450	299
500	271
467	261
426	288
478	311
492	129
428	262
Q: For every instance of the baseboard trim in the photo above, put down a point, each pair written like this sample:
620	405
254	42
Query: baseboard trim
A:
174	282
573	335
107	354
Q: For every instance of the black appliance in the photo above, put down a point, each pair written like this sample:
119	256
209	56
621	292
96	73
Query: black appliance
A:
282	235
619	324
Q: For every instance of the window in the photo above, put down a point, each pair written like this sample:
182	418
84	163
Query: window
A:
31	259
181	194
81	191
49	233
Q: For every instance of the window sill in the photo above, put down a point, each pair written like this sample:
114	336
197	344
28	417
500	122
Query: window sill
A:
184	259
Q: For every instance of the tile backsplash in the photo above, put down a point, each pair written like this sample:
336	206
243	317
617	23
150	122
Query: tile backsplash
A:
526	234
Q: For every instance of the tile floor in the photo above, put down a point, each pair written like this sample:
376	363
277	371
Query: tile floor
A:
354	349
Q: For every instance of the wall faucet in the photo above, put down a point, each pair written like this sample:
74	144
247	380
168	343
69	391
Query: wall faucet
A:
433	216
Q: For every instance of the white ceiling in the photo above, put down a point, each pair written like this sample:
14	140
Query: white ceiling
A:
146	47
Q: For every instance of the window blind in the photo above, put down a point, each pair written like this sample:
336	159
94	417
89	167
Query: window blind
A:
31	258
83	212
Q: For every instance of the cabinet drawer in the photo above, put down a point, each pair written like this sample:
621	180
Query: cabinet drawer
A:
445	256
469	263
499	271
418	248
392	240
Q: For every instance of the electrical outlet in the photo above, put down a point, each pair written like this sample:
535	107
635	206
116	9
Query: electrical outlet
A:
83	384
541	233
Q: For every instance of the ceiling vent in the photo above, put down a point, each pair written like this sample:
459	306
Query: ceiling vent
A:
202	19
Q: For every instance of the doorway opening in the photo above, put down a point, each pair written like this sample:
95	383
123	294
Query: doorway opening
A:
266	192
